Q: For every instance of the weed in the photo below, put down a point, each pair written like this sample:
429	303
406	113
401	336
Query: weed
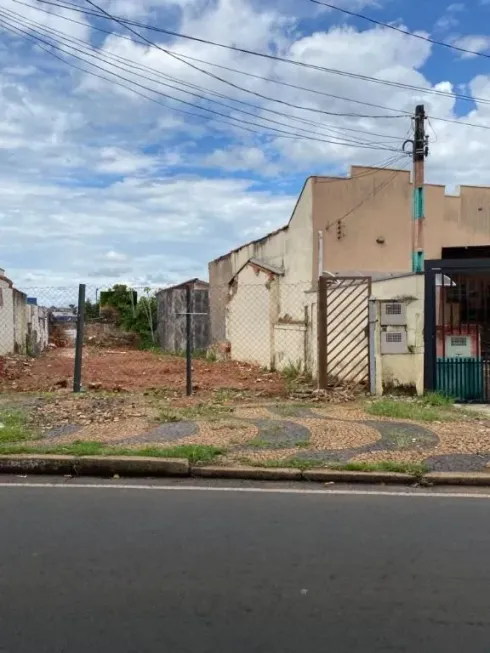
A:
258	442
167	415
437	399
293	371
304	444
14	427
417	410
416	469
296	463
290	410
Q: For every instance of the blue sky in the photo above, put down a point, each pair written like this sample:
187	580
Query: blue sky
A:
101	185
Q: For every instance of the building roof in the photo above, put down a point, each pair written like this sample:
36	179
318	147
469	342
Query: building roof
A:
375	275
183	284
263	265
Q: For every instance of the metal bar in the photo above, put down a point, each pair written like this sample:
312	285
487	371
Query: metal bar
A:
429	327
322	333
356	325
188	330
77	371
372	319
345	297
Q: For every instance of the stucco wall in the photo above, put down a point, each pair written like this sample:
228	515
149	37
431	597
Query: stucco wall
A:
289	248
378	205
7	329
20	321
249	327
402	369
37	328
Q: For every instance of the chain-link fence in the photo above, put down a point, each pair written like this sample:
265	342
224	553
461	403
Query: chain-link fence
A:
254	334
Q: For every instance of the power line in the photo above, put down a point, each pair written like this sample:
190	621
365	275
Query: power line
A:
240	121
126	23
98	55
248	74
217	65
380	23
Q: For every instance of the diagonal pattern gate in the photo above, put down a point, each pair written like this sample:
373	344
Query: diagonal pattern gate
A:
344	311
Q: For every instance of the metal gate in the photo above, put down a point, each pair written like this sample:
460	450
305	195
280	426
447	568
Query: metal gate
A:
457	328
344	330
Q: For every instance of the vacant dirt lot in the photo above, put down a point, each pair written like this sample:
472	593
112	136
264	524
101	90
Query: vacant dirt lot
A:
125	370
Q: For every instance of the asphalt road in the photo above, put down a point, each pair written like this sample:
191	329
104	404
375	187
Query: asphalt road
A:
118	570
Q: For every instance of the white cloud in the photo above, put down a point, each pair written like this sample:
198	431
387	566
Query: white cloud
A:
98	183
475	42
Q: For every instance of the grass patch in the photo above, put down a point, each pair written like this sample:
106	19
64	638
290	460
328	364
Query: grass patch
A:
194	453
14	427
437	399
290	410
420	410
258	442
207	412
416	469
296	463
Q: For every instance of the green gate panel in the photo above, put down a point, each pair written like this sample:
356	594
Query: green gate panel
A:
461	378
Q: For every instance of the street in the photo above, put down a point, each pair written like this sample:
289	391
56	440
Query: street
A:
145	570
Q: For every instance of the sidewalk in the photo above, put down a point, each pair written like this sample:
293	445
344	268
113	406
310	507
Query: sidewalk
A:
357	436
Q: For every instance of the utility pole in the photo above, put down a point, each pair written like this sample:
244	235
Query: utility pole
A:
420	150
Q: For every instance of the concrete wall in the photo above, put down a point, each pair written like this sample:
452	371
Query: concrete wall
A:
171	320
289	248
37	329
249	327
405	370
7	328
377	204
24	328
20	321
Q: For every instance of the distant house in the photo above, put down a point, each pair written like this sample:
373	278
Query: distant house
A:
171	315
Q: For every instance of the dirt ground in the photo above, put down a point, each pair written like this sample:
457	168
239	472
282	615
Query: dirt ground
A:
123	370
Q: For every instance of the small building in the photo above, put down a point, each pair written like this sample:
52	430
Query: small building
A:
171	316
23	324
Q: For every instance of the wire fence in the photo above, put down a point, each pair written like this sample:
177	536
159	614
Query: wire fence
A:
251	336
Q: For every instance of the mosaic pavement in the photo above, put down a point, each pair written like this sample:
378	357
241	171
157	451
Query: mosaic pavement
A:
311	434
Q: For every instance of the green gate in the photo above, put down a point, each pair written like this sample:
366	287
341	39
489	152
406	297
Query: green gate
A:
461	378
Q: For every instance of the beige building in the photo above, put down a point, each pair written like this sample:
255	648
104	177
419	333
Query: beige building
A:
361	222
23	325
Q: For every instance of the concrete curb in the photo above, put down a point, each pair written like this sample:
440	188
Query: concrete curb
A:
94	465
179	467
250	473
338	476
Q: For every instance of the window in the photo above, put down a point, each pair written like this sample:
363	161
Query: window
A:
459	341
393	309
393	337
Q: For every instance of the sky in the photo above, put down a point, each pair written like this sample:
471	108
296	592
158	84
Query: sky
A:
104	182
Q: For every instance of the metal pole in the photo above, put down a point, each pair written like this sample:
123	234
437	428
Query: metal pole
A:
188	329
372	345
77	373
420	151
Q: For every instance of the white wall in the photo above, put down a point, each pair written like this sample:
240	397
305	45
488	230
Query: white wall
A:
248	317
7	330
37	328
20	321
402	369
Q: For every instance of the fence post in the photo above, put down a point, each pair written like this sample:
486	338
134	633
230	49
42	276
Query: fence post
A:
372	318
77	373
322	333
188	330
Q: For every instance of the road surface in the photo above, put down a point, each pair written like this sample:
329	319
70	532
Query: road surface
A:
116	569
